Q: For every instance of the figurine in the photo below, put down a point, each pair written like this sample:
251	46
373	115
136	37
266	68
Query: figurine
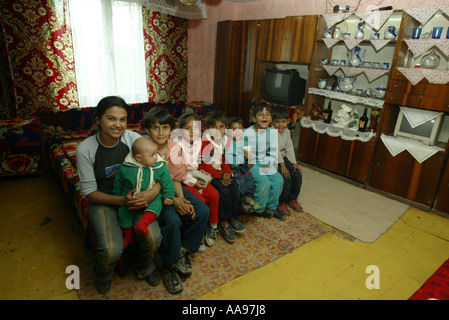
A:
344	116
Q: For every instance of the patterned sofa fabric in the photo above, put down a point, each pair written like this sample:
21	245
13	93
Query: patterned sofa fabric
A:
20	147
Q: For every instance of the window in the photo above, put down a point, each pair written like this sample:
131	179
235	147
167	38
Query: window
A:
109	50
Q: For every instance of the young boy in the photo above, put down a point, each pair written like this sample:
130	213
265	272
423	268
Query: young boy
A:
237	157
213	161
141	169
263	141
288	166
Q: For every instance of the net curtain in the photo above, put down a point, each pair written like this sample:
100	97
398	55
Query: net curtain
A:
40	53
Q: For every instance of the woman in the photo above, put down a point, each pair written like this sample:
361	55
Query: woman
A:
98	159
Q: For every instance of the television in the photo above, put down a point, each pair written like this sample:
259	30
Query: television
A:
427	132
283	86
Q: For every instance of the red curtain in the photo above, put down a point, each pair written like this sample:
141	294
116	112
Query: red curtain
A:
39	44
166	56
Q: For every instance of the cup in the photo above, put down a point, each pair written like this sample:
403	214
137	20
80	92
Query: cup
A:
346	35
342	63
246	150
324	62
380	93
376	36
416	34
334	62
321	83
329	86
436	34
385	65
359	92
368	92
375	65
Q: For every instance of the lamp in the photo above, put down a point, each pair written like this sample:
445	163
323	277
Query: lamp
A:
189	2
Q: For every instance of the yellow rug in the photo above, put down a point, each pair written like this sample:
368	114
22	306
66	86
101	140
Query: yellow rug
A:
333	268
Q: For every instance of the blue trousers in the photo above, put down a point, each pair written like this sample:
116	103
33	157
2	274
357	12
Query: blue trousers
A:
268	187
109	242
245	180
178	230
229	199
292	185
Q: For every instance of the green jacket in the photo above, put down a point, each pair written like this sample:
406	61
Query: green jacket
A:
133	175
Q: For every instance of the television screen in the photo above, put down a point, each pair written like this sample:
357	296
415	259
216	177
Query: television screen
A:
283	86
424	130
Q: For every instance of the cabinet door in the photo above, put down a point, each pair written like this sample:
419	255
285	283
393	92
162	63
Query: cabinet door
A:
289	39
307	145
234	66
442	201
403	176
359	161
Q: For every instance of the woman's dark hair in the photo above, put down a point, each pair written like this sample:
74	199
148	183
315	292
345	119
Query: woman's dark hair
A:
186	118
160	115
109	102
215	116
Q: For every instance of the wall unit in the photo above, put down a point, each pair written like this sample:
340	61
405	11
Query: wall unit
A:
403	175
348	158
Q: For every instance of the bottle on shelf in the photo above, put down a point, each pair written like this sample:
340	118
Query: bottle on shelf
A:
363	121
327	115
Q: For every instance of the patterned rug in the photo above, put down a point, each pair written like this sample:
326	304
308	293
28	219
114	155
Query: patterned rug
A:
264	241
436	287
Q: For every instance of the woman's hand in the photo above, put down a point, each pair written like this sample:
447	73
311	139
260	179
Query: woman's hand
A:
141	200
200	185
284	171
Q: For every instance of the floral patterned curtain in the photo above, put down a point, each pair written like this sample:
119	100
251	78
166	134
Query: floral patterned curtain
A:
39	44
165	55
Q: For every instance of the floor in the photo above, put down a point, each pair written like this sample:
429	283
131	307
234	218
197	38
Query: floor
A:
40	238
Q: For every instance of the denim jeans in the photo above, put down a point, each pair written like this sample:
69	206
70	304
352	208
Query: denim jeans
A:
180	230
292	185
109	242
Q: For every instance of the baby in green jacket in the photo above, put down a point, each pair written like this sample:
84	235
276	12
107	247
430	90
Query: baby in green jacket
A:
141	170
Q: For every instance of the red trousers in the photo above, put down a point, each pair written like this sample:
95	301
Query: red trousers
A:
210	197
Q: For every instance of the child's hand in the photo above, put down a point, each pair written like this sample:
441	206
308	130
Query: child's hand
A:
296	167
265	168
200	184
168	202
284	171
249	165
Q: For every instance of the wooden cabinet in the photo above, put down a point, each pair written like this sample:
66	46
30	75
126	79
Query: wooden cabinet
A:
234	66
288	39
442	200
349	158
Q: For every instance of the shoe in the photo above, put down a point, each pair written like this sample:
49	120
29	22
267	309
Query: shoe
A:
266	214
251	202
246	208
278	215
183	266
237	226
227	233
211	235
283	209
102	287
295	206
154	278
172	281
202	248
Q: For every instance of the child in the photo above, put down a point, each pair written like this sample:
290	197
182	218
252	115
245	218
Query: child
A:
288	166
213	150
238	160
197	181
263	141
141	169
182	225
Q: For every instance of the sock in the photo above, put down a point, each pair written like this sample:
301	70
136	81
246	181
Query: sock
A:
214	225
141	227
127	236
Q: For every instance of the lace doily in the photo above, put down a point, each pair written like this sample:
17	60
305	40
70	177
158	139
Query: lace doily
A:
418	150
334	131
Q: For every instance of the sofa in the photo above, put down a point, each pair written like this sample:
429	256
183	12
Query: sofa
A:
62	132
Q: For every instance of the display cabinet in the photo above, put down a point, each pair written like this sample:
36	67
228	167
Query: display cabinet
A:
415	173
358	84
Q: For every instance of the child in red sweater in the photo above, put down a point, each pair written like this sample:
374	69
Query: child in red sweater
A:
213	161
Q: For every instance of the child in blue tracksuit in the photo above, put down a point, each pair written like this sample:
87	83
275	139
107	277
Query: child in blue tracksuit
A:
263	141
